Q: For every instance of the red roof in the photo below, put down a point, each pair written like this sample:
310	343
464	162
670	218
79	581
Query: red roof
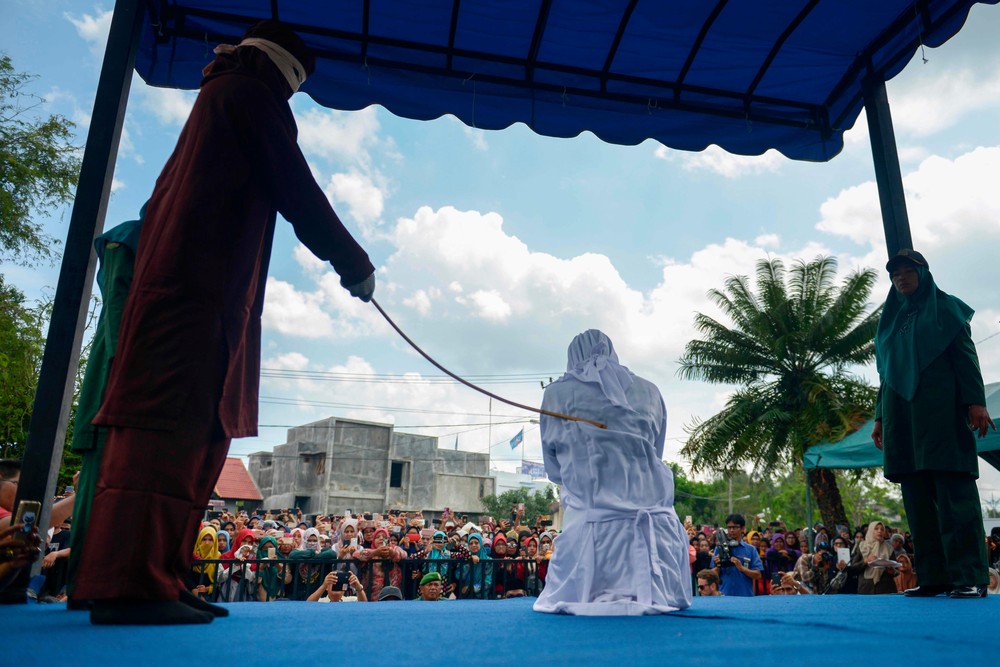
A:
235	482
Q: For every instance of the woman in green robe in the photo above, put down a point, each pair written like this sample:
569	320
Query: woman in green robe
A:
931	403
116	249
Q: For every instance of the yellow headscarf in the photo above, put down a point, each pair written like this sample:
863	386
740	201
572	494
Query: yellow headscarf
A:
203	551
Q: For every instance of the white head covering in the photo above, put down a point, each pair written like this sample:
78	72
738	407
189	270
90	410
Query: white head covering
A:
305	540
592	359
287	64
995	575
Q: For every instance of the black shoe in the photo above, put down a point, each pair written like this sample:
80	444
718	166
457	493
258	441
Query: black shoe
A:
927	591
195	602
963	592
146	612
78	605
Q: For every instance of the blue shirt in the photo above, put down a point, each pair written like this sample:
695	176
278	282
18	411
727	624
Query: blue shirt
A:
734	583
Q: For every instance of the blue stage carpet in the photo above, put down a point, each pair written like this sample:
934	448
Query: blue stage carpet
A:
834	630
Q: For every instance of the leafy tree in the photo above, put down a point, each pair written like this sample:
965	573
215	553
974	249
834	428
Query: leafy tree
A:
787	348
39	167
22	340
535	504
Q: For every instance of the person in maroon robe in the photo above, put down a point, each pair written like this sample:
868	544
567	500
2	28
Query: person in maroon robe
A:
185	379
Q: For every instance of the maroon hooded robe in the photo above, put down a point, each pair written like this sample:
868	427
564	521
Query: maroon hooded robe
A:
185	379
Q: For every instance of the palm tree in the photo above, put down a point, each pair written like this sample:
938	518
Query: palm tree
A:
788	350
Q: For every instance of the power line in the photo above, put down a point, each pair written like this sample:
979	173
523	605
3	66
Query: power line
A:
397	378
285	400
341	425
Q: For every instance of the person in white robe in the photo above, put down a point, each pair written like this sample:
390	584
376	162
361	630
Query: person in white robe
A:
623	551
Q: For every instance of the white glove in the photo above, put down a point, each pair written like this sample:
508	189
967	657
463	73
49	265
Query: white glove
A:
363	290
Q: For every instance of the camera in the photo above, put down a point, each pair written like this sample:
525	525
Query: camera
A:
725	546
827	557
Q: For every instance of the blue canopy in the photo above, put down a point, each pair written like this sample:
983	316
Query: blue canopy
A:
858	451
748	76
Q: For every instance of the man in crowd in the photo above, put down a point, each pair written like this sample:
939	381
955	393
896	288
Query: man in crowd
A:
708	583
432	587
186	373
744	567
931	406
335	589
788	585
389	593
826	574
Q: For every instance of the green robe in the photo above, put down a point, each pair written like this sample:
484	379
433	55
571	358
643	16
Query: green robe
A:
116	250
931	433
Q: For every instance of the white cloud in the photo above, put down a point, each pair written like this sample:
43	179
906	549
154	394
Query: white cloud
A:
922	105
93	29
295	313
948	202
939	101
170	106
768	240
292	361
347	136
420	301
715	159
308	261
490	305
365	201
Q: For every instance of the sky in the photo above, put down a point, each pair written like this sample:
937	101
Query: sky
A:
495	248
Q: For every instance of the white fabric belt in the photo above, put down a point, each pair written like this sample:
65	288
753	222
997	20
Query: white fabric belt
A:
641	557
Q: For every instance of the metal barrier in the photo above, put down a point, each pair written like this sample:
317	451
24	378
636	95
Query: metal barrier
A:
266	580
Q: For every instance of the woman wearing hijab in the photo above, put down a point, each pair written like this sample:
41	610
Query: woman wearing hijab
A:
875	580
907	577
779	557
270	577
623	550
223	541
243	538
994	585
237	579
931	406
475	578
381	567
499	564
308	575
206	548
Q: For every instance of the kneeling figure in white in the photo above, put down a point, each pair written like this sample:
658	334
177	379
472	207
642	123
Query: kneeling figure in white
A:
623	551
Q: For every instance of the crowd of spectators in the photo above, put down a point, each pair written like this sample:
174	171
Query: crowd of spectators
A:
400	555
372	557
775	559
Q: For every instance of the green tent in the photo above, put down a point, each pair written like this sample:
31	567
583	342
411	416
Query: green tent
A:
858	451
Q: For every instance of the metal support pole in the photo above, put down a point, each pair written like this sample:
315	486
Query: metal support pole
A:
810	532
887	172
50	414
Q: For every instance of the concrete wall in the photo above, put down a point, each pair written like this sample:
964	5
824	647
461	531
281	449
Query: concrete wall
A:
462	493
359	467
343	464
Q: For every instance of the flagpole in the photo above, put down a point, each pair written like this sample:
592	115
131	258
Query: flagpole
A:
489	441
